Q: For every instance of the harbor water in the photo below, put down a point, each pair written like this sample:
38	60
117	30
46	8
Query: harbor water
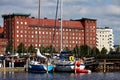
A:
59	76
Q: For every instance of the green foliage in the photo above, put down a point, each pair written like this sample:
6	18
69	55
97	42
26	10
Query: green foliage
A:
66	49
76	51
31	49
85	50
104	50
50	49
42	49
21	48
9	48
118	49
95	51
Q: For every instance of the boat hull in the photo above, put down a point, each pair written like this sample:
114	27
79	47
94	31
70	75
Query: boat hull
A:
64	68
40	68
82	71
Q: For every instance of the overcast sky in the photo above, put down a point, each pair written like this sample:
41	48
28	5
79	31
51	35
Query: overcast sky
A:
107	12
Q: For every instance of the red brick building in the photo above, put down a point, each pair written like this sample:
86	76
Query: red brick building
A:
3	42
21	28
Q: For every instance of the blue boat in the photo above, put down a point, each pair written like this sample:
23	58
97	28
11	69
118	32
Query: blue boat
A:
37	66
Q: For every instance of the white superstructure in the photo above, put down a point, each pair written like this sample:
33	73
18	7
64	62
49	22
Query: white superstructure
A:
104	38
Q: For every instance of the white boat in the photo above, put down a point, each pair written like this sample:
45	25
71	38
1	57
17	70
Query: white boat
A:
66	62
65	65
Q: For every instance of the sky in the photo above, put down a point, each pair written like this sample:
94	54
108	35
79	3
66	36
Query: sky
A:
107	12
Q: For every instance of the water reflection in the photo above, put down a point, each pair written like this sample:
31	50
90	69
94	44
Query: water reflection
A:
58	76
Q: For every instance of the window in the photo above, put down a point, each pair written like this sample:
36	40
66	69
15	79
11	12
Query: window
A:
21	31
17	40
32	36
25	31
35	32
17	27
25	22
21	22
17	31
21	35
17	35
17	22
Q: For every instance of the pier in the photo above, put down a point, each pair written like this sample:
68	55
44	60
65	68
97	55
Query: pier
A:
103	65
109	65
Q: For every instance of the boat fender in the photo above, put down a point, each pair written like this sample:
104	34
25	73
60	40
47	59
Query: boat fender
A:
77	63
71	58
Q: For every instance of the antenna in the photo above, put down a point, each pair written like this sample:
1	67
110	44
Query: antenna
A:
38	20
61	25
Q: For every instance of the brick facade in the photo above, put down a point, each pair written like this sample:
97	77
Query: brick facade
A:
21	28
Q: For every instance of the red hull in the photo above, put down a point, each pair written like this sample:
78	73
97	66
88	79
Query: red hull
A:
82	71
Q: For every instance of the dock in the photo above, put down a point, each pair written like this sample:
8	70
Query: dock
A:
103	65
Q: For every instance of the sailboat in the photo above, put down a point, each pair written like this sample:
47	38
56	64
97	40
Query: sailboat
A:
42	63
67	62
63	63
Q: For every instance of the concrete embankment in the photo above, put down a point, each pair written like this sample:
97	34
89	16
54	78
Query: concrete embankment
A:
15	69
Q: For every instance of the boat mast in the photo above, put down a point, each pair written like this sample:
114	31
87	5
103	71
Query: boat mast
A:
38	20
61	25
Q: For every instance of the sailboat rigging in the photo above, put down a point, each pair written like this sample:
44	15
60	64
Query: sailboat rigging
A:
61	25
42	65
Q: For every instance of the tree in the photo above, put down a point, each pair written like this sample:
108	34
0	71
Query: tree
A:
21	48
42	49
104	50
76	51
31	49
66	49
111	50
50	49
85	50
95	51
9	48
118	49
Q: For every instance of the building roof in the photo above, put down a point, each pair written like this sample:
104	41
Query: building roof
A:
51	23
15	14
83	19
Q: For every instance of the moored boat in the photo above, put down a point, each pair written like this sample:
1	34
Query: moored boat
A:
80	67
41	65
64	66
65	62
35	66
78	70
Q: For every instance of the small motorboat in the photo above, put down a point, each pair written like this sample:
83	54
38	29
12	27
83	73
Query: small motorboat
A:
80	67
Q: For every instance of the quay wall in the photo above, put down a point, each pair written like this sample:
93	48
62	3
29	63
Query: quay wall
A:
15	69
